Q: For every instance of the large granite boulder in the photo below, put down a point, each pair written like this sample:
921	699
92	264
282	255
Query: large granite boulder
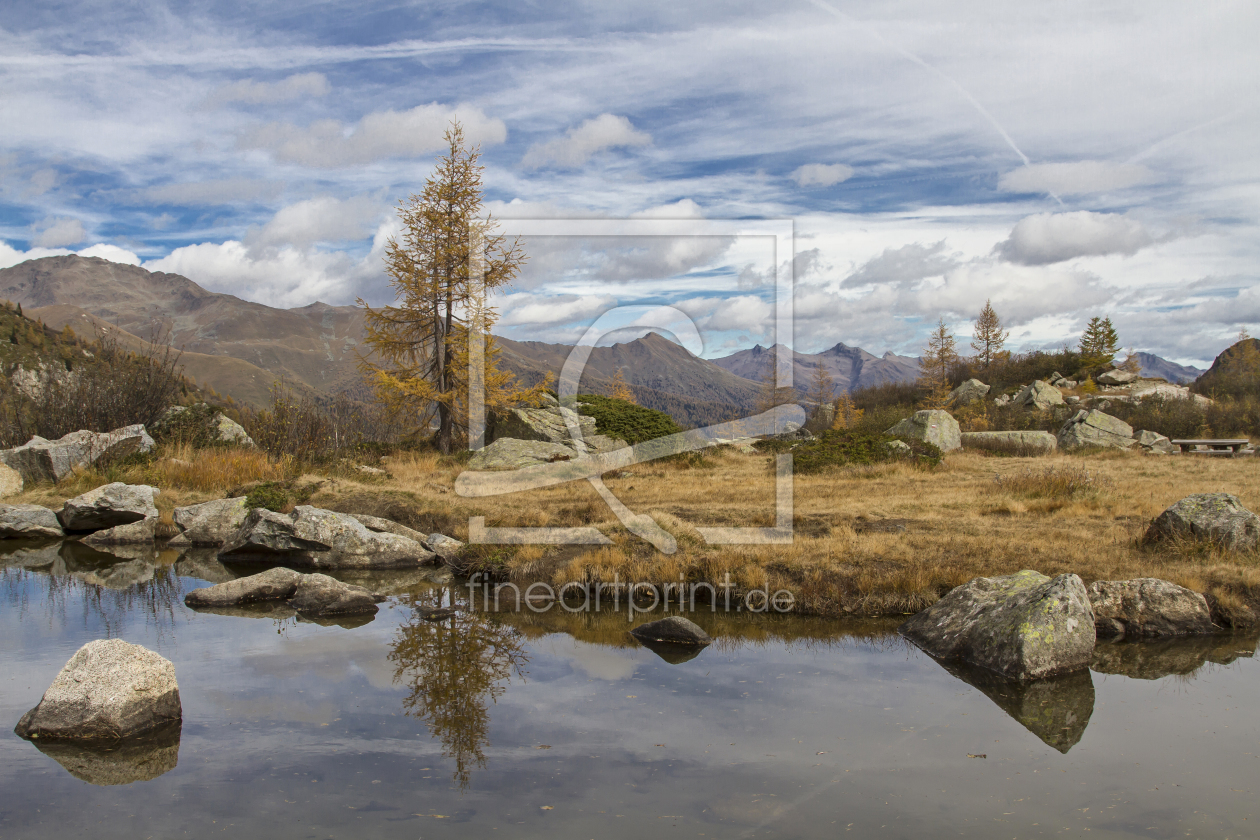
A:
1147	607
276	584
1023	626
513	454
209	523
320	539
1089	427
133	533
387	526
1040	395
1155	444
28	522
52	460
200	425
311	595
109	505
109	689
319	595
931	426
1218	518
10	481
1117	377
674	630
973	390
541	424
1018	443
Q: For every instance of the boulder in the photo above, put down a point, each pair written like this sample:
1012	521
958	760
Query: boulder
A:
1147	607
1155	443
52	460
109	689
546	424
28	521
109	505
899	448
320	539
1023	626
448	548
675	630
973	390
311	595
1116	377
513	454
1089	427
211	523
10	481
1040	395
1218	518
133	533
319	595
200	425
276	584
1022	443
1001	399
387	526
932	426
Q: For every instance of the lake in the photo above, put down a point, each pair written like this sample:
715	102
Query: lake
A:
489	724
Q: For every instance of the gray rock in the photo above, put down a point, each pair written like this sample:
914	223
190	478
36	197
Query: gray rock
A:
973	390
387	526
932	426
899	447
1023	626
539	424
319	595
1001	399
1022	443
109	505
28	521
1039	395
137	759
1155	443
1147	607
1089	427
121	575
448	548
512	454
276	584
320	539
201	424
211	523
675	630
1218	518
1116	377
10	481
133	533
52	460
108	690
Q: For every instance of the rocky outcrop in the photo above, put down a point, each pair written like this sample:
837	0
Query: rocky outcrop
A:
1155	443
1217	518
28	522
931	426
1022	626
108	506
210	523
1039	395
448	548
1117	377
313	595
973	390
507	430
276	584
133	533
321	539
10	481
512	454
108	690
1147	607
52	460
387	526
673	630
1019	443
1089	427
200	425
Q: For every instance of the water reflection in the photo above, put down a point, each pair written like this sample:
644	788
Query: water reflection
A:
117	762
1182	657
455	668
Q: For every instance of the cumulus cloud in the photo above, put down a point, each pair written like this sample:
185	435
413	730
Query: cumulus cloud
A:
322	219
821	174
606	131
112	253
380	135
907	264
12	256
544	310
58	233
1054	237
251	92
1078	178
228	191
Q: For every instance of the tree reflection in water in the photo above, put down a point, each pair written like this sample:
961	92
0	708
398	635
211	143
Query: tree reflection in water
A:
455	666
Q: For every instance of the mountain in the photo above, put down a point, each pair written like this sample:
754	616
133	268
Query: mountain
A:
1235	372
1154	366
849	367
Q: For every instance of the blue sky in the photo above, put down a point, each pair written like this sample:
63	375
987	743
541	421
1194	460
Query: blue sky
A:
1064	160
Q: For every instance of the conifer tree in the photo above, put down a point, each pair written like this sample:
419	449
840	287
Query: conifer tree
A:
939	357
1099	342
988	337
821	395
621	389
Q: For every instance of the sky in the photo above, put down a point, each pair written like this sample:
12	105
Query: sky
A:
1062	160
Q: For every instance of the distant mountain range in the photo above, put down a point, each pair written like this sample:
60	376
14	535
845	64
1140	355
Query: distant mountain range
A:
848	367
1154	366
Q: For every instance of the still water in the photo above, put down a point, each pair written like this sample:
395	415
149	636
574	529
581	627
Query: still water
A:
559	725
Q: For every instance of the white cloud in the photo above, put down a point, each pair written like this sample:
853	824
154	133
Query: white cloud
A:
1054	237
380	135
1078	178
606	131
11	256
907	264
228	191
322	219
821	174
57	233
523	308
112	253
264	93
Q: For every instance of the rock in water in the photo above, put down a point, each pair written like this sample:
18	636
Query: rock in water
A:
28	522
1147	607
320	539
973	390
319	595
1039	395
276	584
108	506
675	630
931	426
109	689
1023	626
130	534
1218	518
1093	428
211	523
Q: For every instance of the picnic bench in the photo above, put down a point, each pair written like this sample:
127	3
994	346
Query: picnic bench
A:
1221	447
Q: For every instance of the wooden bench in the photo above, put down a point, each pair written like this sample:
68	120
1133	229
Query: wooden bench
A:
1221	447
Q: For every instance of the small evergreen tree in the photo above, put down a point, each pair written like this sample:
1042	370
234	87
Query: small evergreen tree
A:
1099	342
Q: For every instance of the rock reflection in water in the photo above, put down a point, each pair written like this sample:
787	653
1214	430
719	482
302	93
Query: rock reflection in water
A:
455	668
1056	710
117	762
203	564
672	652
1153	660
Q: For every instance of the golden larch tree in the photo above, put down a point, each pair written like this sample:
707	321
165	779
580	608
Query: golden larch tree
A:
939	357
988	337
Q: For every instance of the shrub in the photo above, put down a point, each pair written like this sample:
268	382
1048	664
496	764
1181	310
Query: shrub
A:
1172	417
625	420
850	448
1058	482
